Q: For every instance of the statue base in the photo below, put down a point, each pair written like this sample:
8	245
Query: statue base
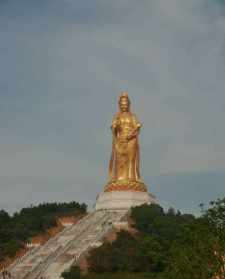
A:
123	200
125	185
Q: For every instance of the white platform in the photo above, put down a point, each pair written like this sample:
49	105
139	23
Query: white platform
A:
122	200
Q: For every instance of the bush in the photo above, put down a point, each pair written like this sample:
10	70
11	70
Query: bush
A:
169	245
31	221
73	273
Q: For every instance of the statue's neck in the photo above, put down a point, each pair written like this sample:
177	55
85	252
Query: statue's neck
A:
124	112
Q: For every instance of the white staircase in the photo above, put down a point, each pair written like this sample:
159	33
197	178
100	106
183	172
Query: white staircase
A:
59	253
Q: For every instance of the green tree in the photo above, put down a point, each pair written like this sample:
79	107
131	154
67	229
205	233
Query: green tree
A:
73	273
17	229
169	245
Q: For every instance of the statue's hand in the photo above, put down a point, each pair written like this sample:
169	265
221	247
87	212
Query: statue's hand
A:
131	136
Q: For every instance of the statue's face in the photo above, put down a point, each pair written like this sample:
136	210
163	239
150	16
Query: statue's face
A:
124	105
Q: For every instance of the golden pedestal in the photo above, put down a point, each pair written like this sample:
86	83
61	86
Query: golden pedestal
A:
123	185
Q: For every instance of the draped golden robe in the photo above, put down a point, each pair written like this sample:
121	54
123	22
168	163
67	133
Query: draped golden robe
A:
124	163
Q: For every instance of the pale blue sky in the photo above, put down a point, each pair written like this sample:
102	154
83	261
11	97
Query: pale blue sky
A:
62	66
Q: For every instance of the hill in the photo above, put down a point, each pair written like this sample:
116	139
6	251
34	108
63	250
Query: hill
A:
168	245
18	229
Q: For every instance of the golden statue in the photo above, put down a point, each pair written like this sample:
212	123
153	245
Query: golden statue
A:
124	167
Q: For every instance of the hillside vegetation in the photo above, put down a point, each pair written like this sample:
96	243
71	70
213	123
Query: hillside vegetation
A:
17	229
168	245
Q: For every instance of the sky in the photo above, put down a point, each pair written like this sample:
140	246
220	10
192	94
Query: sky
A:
63	66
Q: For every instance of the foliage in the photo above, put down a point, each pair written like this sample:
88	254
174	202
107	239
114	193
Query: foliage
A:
194	255
17	229
73	273
118	256
120	275
168	245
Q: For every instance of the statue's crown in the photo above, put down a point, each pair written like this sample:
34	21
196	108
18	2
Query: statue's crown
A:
124	95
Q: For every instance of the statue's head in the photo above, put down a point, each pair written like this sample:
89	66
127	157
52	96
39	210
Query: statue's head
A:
124	102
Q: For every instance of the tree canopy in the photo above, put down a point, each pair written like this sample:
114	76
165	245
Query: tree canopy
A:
168	245
17	229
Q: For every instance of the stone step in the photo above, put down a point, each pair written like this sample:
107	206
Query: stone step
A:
63	250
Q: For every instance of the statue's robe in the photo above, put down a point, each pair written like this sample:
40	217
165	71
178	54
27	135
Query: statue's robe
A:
124	163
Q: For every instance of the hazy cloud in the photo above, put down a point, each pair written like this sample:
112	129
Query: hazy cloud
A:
63	64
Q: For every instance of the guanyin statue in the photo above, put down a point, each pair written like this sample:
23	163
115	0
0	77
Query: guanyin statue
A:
124	167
